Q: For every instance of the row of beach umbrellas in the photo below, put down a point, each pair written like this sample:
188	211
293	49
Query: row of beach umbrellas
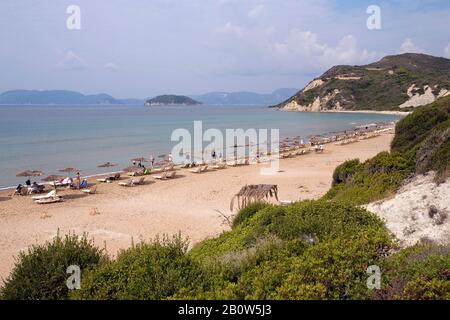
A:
69	170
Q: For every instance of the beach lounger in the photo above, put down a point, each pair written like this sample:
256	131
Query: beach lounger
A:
196	170
92	190
49	200
161	177
232	163
51	194
141	181
166	175
199	169
128	183
220	166
109	179
286	202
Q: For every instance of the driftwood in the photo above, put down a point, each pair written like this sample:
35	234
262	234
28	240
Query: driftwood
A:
254	193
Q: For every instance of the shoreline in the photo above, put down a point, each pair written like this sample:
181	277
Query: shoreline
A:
116	215
353	128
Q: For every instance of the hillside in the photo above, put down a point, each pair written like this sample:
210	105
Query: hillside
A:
54	97
400	82
245	98
171	100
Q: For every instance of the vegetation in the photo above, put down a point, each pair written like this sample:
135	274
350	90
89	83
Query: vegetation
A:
378	86
40	274
153	270
421	144
419	272
171	99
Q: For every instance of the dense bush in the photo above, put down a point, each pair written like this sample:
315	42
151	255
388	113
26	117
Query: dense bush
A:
40	274
434	153
419	272
345	171
373	180
247	212
153	270
413	129
311	249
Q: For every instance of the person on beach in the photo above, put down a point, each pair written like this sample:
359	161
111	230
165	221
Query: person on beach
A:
78	180
152	160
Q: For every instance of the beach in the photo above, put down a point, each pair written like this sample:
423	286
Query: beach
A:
116	216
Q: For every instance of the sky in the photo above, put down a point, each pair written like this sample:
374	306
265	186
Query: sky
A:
142	48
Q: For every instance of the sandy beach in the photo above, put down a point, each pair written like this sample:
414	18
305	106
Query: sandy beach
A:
186	204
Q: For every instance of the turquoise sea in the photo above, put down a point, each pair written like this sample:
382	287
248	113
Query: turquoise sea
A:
50	138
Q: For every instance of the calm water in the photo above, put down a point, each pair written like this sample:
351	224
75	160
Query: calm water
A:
49	138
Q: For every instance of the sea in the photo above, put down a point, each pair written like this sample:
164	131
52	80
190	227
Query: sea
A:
49	138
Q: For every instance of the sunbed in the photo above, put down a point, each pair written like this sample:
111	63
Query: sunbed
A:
140	181
92	190
49	200
49	195
128	183
199	169
220	166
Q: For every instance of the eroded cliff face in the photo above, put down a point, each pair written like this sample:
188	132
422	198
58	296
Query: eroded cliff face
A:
397	83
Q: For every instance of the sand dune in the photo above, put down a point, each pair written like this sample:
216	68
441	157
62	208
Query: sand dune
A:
116	215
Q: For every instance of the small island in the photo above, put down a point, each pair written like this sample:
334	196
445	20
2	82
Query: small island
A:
165	100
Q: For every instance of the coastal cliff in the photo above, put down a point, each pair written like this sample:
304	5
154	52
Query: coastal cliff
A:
395	83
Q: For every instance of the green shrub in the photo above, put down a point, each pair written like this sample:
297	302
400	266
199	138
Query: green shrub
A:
345	171
414	128
40	274
335	269
419	272
373	180
434	153
255	259
247	212
153	270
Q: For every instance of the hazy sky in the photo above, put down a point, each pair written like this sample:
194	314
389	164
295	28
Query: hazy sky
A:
140	48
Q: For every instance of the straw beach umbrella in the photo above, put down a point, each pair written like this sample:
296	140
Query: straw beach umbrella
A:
254	193
30	173
133	169
107	165
140	159
53	178
68	170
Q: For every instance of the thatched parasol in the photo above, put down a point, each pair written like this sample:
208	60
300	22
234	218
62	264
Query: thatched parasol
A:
140	159
30	173
133	169
53	178
68	170
254	193
107	165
